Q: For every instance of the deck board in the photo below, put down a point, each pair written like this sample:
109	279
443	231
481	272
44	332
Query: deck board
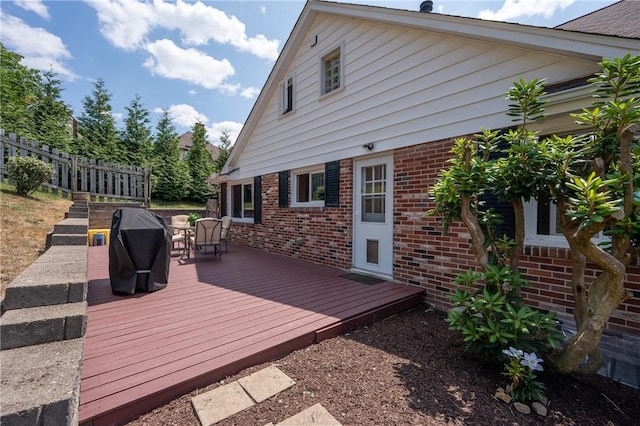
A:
214	318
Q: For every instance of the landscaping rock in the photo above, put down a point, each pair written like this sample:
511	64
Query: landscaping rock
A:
502	396
539	409
522	408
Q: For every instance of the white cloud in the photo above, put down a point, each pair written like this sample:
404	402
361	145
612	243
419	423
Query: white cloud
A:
35	6
194	66
200	23
40	49
512	10
193	92
232	127
262	9
250	92
125	23
184	115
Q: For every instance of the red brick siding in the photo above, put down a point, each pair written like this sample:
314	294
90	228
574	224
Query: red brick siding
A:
316	234
425	257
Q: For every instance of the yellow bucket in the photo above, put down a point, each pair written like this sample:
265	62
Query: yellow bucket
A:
96	241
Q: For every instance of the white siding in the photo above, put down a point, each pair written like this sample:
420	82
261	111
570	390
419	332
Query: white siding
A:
401	87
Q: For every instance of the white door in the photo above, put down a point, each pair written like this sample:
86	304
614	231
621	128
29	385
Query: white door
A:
373	216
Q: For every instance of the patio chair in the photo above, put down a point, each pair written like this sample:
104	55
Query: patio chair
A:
207	234
226	224
177	234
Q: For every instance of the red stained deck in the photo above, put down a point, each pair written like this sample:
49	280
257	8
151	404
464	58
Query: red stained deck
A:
214	318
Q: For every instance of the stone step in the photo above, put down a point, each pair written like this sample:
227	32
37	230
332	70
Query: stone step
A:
44	324
58	276
71	226
69	239
79	207
76	215
41	384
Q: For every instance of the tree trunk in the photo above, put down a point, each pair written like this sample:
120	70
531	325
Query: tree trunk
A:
477	236
516	250
605	295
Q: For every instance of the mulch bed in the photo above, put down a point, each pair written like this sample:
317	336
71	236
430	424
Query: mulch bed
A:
410	369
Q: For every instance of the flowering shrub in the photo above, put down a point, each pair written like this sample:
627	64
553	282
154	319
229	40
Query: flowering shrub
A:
494	317
520	367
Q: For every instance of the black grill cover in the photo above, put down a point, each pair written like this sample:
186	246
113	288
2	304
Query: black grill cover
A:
139	251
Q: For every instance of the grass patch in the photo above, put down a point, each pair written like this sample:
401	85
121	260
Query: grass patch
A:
163	204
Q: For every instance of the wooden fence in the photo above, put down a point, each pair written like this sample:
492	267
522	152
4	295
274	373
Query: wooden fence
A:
104	181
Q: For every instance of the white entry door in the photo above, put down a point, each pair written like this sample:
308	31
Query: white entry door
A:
373	216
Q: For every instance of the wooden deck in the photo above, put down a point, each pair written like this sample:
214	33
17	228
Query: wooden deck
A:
214	318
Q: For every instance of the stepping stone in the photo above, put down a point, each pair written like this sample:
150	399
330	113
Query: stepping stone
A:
220	403
314	415
266	383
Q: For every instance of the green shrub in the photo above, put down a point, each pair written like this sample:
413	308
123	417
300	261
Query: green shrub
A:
28	173
494	317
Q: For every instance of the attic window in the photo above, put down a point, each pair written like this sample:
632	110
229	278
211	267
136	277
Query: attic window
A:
332	77
287	103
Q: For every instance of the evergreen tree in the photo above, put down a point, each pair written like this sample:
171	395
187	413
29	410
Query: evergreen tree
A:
225	150
98	135
19	89
51	116
200	167
135	139
170	174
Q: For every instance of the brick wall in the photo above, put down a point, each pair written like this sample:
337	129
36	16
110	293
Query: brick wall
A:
317	234
425	257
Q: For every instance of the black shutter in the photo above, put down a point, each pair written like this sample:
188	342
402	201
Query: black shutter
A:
283	189
257	199
332	184
223	201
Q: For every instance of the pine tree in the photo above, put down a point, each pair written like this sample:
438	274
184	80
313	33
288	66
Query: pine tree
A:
51	116
19	89
200	167
225	150
98	134
135	139
170	174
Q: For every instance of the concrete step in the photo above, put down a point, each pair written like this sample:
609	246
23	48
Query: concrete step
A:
71	226
41	384
58	276
79	207
69	239
76	215
44	324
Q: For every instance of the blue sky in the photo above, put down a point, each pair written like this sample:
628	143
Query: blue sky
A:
204	61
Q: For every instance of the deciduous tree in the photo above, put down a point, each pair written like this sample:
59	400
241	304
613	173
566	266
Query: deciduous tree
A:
593	179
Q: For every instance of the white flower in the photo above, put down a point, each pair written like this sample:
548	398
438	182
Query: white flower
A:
516	353
532	361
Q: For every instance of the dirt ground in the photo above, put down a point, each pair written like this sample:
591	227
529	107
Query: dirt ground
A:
410	369
24	223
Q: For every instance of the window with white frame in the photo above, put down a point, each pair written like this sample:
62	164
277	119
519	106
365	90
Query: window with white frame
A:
287	95
542	225
241	201
332	77
307	187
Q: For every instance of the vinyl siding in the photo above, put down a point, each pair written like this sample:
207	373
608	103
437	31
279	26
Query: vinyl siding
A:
401	87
